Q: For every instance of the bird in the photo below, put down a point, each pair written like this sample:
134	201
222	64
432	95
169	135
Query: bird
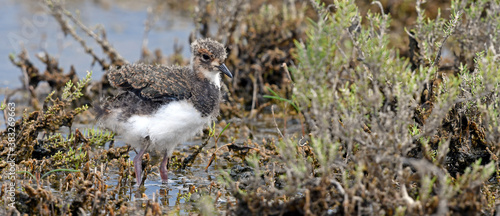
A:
158	107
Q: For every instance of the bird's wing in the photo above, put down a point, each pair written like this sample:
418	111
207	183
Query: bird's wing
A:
153	82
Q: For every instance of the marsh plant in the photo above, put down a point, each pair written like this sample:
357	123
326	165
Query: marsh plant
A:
388	135
55	160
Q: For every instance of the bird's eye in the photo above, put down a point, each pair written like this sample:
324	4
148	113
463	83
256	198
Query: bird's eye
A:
205	57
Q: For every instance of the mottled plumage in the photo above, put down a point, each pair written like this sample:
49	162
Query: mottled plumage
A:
161	106
157	83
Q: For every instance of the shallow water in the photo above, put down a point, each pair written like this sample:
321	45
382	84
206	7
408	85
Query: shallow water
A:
27	24
180	181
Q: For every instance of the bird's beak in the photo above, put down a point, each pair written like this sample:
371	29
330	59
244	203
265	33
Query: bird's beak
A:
224	70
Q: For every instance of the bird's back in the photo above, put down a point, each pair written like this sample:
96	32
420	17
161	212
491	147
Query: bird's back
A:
153	82
143	89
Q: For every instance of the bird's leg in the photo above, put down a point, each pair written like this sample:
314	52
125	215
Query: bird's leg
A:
164	168
138	161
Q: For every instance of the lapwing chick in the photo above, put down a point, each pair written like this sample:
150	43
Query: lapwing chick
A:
159	107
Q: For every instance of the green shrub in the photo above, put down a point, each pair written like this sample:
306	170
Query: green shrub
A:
389	135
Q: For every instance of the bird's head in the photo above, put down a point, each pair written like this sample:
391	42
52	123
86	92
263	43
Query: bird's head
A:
208	59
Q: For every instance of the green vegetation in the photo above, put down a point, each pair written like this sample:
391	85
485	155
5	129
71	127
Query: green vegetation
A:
388	135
